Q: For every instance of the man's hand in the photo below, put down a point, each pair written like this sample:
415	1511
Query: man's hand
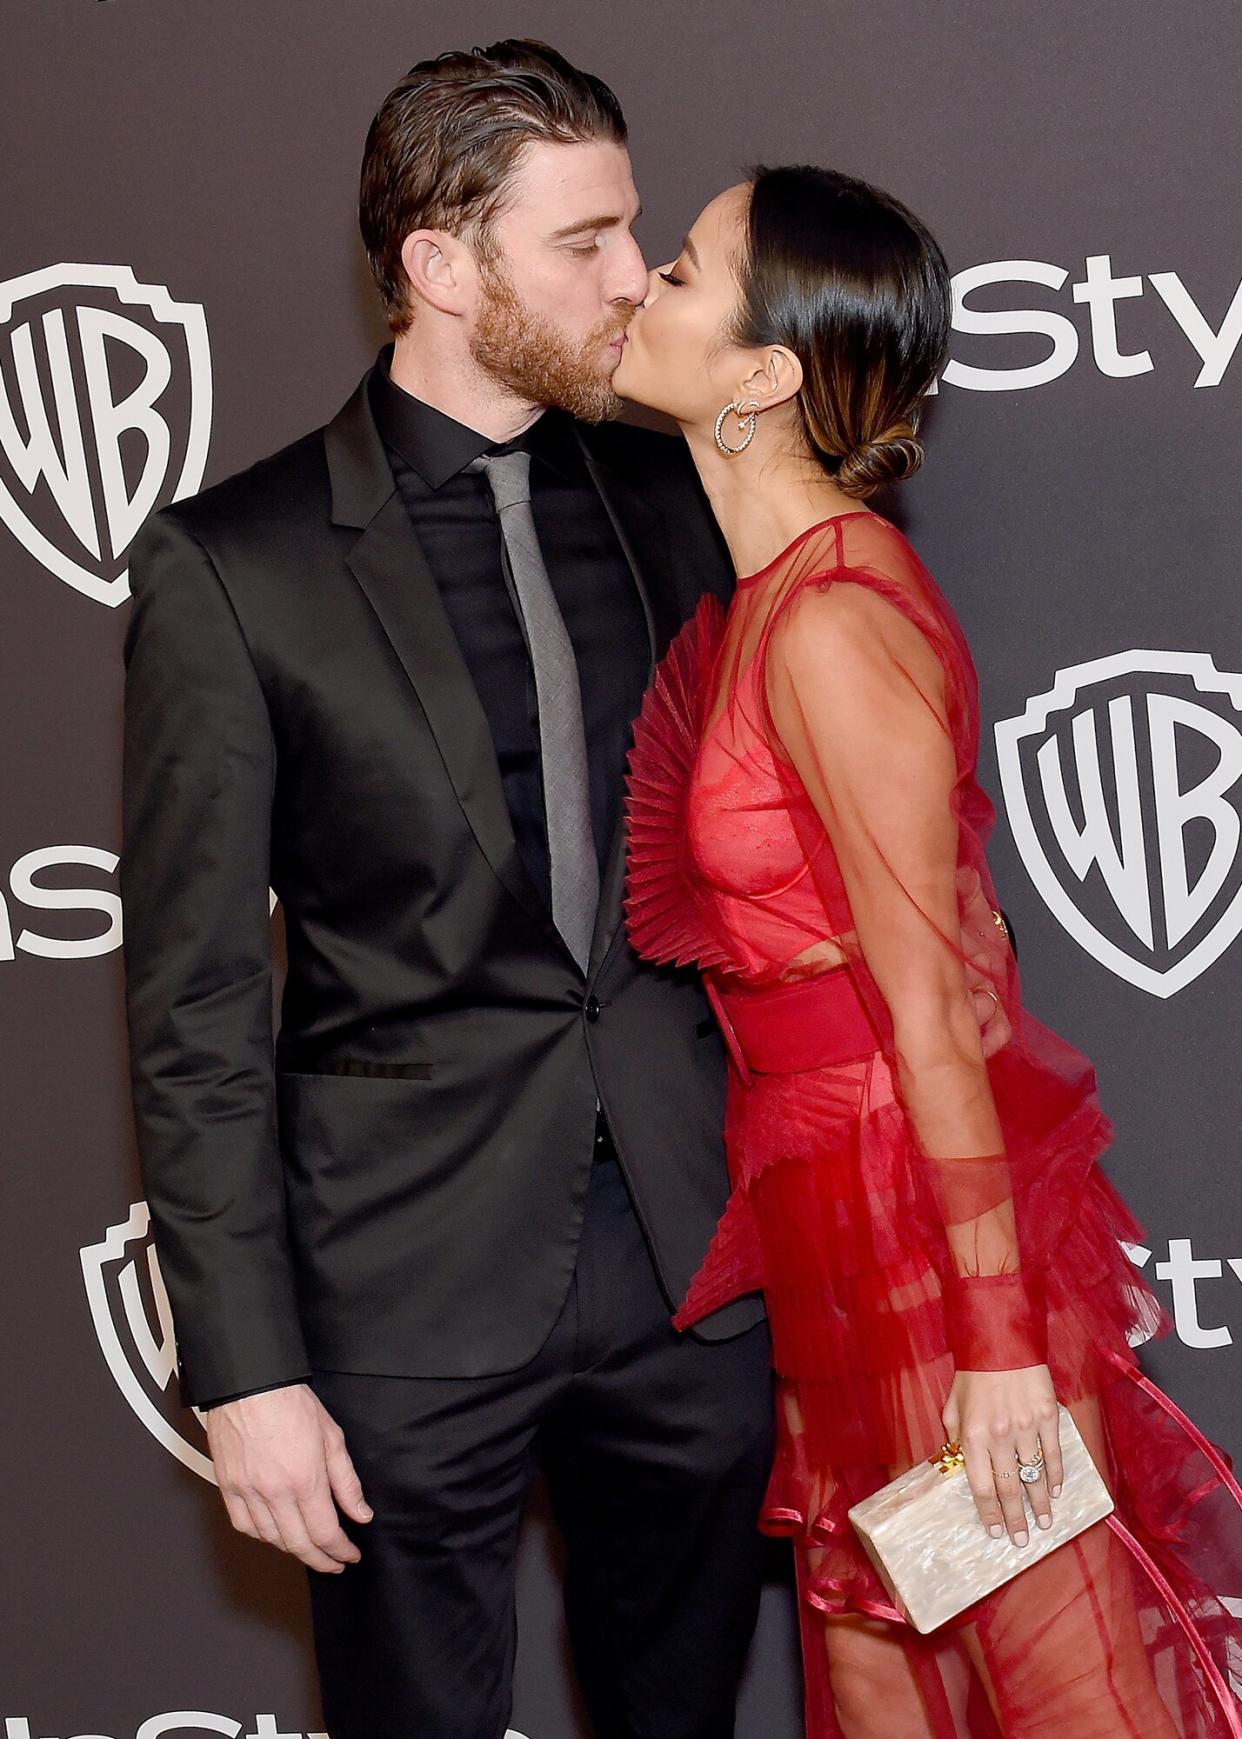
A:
281	1459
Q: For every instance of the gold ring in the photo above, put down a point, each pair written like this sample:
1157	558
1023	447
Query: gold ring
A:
992	994
998	918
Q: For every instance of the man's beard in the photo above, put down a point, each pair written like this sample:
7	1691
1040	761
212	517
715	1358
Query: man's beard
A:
527	355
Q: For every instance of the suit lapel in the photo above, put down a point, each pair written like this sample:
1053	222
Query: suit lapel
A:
388	563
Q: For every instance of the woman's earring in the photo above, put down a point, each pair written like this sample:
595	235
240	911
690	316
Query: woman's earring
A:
749	420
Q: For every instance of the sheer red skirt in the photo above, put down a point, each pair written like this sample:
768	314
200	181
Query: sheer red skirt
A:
1122	1632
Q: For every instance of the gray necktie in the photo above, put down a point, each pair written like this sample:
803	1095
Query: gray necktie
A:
558	697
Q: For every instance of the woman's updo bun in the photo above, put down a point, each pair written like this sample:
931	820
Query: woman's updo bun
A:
857	288
893	456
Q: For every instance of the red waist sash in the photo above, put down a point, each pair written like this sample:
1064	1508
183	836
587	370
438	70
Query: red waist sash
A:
784	1029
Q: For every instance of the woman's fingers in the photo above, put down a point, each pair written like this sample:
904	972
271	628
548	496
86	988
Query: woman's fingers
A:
1037	1494
983	1489
1050	1438
1009	1492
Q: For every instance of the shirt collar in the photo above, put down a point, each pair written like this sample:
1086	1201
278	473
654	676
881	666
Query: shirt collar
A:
438	447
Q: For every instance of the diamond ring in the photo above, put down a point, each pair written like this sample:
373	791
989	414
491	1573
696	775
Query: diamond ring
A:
1029	1472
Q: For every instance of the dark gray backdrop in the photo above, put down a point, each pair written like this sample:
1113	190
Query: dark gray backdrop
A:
1075	513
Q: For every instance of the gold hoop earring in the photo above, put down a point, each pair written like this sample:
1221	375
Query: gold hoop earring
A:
749	422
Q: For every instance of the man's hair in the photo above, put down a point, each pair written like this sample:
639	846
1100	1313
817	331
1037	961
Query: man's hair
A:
446	142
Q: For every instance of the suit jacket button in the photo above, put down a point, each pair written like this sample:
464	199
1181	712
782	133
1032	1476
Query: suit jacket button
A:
591	1008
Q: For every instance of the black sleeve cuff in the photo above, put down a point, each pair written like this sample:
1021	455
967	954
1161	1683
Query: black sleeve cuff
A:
222	1400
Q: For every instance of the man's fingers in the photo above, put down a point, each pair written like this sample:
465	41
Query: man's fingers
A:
308	1536
311	1532
264	1521
343	1478
239	1514
324	1526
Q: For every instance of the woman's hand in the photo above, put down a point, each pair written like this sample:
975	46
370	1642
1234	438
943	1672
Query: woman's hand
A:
1001	1418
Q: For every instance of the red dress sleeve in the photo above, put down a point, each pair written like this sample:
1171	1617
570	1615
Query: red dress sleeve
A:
862	696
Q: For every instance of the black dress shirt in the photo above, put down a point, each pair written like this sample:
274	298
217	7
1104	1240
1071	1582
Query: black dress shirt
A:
455	520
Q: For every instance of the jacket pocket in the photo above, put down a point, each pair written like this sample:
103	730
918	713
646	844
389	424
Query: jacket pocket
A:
361	1068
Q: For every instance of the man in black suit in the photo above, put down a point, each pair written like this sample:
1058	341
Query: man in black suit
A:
432	1237
435	1238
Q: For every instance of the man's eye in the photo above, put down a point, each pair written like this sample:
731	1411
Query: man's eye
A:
671	278
581	253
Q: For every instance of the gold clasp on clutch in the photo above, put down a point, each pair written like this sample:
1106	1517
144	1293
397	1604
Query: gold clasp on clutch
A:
949	1459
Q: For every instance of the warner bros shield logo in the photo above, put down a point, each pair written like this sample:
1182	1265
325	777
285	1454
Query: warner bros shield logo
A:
133	1323
1123	786
105	415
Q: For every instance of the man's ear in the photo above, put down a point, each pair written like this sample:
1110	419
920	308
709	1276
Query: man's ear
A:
440	268
773	380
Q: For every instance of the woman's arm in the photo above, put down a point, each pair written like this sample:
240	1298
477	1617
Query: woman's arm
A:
857	698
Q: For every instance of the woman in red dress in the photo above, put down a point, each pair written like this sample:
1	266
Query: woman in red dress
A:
939	1251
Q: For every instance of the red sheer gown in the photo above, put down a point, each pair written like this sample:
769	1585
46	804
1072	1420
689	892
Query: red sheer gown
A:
806	826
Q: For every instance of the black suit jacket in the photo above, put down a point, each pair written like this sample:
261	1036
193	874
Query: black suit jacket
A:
396	1185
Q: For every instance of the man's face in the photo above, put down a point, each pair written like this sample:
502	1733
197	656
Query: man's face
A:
561	278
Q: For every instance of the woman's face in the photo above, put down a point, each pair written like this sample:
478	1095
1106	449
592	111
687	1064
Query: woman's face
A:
676	359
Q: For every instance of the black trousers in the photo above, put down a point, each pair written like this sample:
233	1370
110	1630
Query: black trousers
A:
656	1448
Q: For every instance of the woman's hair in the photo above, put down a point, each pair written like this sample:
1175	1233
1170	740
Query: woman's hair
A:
446	141
851	282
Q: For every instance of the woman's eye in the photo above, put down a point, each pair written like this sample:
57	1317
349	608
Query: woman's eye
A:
670	278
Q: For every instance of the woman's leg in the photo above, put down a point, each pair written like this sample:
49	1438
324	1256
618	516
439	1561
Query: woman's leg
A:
886	1682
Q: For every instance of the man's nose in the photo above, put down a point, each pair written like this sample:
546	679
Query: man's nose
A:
631	280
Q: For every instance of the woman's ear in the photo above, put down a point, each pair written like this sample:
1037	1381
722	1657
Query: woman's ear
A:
774	380
439	268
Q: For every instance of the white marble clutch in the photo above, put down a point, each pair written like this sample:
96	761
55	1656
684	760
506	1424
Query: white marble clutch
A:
923	1534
